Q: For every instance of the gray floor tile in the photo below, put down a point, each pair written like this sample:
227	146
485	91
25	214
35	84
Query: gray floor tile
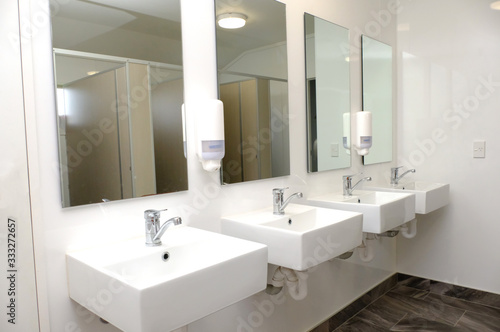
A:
384	312
355	325
466	305
417	304
409	291
479	323
416	282
418	323
468	294
431	310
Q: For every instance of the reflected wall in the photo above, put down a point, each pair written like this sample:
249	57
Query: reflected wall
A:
252	69
328	95
377	97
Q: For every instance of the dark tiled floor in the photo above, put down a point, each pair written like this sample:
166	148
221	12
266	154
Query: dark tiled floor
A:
406	303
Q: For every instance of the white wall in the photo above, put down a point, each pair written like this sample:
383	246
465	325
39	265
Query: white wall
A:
332	285
17	284
449	50
332	92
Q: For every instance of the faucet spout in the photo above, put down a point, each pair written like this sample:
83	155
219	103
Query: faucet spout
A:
152	226
368	178
278	203
172	221
347	184
395	177
285	203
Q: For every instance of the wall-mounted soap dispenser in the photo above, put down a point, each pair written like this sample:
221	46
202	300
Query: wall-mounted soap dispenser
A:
362	132
210	134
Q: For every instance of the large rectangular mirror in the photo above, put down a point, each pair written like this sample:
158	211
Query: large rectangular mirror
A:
328	95
377	97
119	84
252	67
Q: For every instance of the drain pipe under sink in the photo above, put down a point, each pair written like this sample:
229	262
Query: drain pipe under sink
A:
296	282
365	250
409	229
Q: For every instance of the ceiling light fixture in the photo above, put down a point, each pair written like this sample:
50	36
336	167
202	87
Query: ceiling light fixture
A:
231	20
495	5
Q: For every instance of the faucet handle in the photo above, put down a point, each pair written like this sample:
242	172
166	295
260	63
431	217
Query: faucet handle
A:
153	214
395	171
345	177
280	190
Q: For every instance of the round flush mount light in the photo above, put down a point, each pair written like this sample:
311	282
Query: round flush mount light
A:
92	72
231	20
495	5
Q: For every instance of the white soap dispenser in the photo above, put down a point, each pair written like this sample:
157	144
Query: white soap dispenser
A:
210	134
363	132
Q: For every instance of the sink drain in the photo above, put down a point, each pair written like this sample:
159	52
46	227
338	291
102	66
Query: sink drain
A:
165	256
289	221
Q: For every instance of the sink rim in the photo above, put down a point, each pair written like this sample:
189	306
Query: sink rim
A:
339	198
394	210
252	217
102	257
433	196
400	186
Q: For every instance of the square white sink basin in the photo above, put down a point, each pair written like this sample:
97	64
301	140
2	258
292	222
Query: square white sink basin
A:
382	211
301	238
428	196
193	274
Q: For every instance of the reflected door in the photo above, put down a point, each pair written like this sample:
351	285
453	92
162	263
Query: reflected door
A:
92	138
247	130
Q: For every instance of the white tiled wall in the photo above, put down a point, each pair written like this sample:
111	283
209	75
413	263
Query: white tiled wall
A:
17	282
449	96
331	286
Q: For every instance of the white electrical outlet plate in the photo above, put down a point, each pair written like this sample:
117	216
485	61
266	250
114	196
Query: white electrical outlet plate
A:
479	149
334	147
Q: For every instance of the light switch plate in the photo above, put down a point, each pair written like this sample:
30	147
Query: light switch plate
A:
334	147
479	149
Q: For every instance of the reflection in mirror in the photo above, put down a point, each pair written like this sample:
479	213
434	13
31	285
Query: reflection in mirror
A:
118	72
377	97
328	95
252	66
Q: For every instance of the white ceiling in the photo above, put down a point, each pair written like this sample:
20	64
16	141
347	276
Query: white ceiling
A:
266	25
87	25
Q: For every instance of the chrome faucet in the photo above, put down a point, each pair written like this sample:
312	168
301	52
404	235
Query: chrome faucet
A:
347	183
153	230
278	203
395	177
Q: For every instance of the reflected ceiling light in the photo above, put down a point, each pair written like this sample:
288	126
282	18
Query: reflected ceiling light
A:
495	5
231	20
93	72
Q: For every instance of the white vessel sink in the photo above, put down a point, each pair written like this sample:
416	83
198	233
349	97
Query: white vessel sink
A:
428	196
382	211
137	289
301	238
